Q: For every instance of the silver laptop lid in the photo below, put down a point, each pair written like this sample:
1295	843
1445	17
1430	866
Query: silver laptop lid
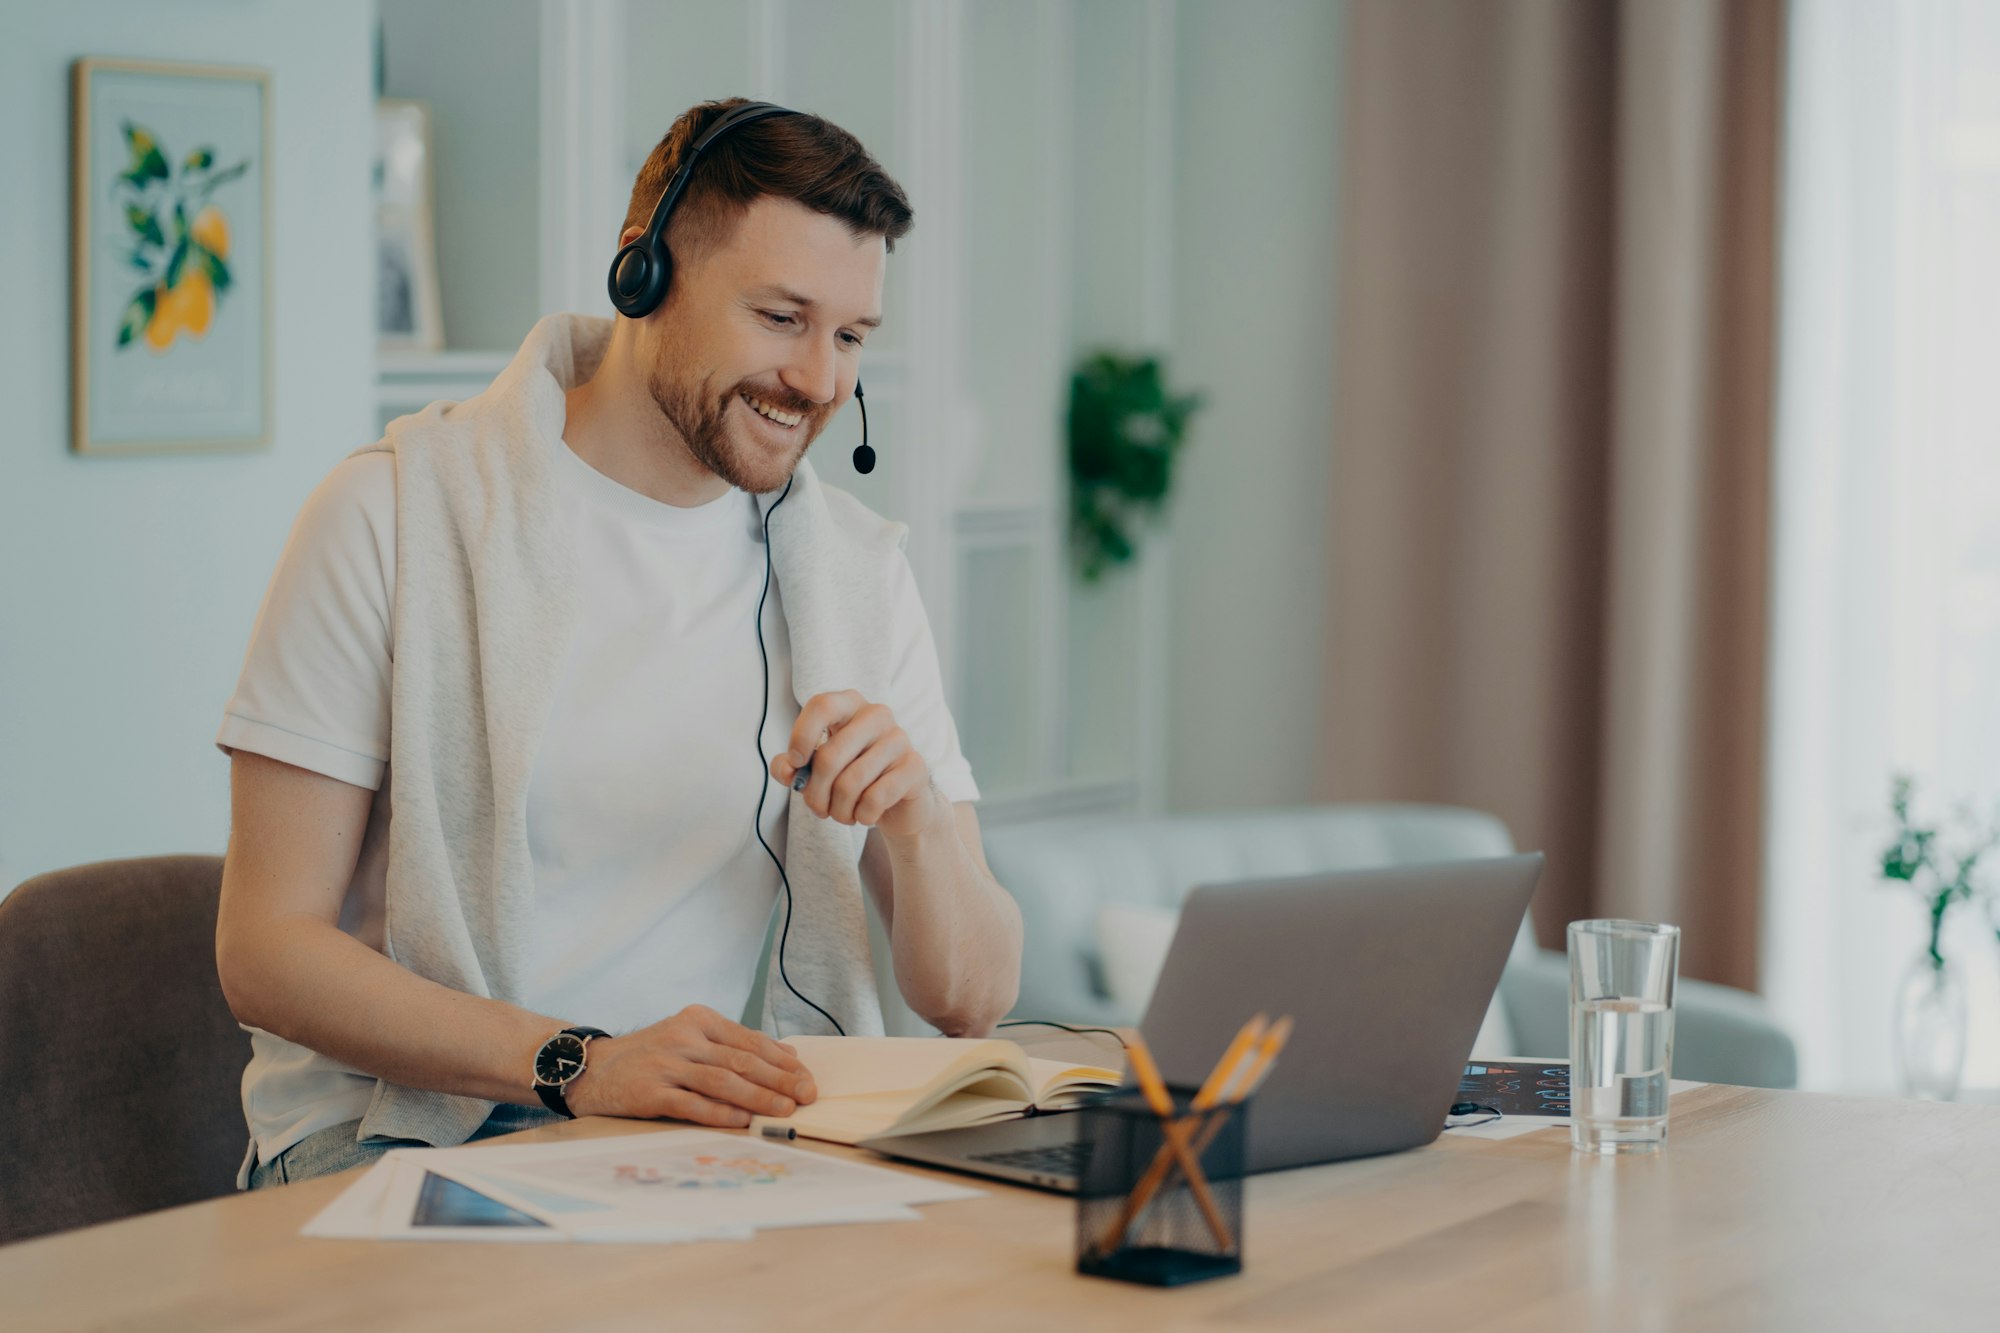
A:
1386	973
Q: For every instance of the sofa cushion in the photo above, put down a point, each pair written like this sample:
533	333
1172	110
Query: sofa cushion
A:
1132	943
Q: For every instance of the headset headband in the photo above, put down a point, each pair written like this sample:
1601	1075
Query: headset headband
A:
741	115
642	271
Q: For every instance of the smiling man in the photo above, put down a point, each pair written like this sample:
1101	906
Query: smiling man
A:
501	846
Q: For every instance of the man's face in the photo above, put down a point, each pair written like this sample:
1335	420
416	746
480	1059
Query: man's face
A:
767	325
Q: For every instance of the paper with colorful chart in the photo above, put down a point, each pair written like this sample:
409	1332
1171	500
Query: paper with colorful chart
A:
683	1178
397	1199
1529	1094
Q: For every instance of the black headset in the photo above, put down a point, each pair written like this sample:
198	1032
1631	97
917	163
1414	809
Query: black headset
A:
642	271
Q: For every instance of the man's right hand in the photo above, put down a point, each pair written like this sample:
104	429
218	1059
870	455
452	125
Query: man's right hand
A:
696	1066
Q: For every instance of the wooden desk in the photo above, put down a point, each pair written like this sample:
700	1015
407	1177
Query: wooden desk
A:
1768	1210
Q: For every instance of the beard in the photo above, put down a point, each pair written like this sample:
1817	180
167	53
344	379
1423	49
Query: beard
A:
701	416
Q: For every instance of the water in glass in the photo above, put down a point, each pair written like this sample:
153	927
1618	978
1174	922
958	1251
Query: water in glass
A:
1622	1051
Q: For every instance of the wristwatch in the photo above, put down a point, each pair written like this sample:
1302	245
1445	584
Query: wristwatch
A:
559	1062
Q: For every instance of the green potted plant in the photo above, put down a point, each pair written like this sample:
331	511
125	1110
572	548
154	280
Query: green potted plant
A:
1930	1002
1124	428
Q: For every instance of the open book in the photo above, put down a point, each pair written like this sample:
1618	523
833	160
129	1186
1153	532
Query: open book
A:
902	1085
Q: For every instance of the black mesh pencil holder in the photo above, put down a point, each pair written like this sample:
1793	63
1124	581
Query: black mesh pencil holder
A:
1139	1217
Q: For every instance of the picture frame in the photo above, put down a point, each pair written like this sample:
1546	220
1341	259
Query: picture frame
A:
409	314
170	257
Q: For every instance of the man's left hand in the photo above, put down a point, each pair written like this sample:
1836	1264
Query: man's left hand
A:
864	768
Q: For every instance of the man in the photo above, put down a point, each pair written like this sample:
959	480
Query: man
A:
491	748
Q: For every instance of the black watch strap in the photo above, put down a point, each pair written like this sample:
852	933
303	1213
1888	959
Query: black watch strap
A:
552	1093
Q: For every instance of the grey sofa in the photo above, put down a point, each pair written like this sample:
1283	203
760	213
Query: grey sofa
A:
1063	871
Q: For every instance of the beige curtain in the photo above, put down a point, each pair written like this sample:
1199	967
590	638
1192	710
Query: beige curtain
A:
1552	447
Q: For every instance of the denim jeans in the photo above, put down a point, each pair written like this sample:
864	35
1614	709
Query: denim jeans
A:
336	1149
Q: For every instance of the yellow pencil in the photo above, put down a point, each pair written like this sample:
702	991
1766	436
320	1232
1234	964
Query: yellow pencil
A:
1260	1069
1272	1042
1176	1132
1147	1073
1224	1072
1155	1091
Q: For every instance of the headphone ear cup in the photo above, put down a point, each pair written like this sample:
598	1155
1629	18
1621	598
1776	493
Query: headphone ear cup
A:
638	280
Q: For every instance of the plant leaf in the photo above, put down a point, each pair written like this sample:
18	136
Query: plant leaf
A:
138	312
148	163
1124	428
174	265
220	178
199	160
145	224
218	270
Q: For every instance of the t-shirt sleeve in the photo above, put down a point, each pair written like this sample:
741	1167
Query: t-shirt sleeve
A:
315	685
917	688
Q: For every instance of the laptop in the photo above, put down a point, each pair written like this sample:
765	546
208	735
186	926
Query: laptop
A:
1387	974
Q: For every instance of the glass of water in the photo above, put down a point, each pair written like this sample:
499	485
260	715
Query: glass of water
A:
1621	1033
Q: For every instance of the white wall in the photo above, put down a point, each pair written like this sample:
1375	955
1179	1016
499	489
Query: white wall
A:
128	585
1257	96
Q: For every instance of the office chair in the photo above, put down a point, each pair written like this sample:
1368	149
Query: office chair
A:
120	1063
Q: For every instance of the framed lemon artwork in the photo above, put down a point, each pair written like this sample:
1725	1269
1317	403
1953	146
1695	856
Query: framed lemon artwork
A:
170	257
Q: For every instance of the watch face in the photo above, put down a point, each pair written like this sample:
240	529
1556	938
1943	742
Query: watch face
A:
560	1059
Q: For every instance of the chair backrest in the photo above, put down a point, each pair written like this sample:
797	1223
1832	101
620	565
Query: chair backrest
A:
123	1061
1062	872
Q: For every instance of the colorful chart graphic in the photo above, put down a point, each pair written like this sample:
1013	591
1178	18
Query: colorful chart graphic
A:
706	1171
1517	1089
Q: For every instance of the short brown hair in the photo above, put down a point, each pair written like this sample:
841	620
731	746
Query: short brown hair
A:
799	157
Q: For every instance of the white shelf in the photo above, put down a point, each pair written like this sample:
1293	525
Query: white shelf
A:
408	381
403	365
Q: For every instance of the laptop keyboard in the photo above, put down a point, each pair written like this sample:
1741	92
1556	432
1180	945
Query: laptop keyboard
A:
1058	1159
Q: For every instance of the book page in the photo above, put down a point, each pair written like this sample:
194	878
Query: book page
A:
1058	1084
879	1085
842	1119
872	1066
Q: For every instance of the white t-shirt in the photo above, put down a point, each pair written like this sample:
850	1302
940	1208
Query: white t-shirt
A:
651	892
